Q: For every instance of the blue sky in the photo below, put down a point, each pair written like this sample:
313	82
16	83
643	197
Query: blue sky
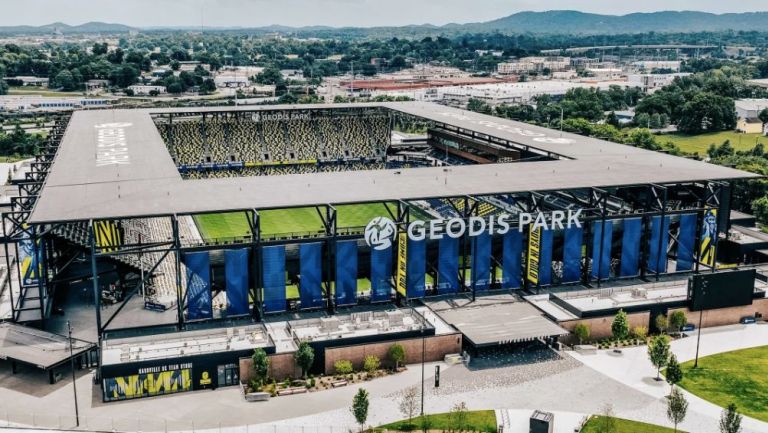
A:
253	13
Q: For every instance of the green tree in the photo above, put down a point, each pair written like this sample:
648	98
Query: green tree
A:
478	106
371	363
658	353
360	405
763	116
396	354
65	80
620	326
760	209
662	323
581	331
304	357
674	372
260	365
730	420
458	416
677	320
677	407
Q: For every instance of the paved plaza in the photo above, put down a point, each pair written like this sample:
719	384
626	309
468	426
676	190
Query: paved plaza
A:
566	383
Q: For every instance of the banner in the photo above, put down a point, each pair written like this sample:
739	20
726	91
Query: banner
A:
448	266
686	239
402	263
273	267
416	267
601	249
381	274
236	276
107	235
512	248
574	238
657	254
708	238
534	252
311	275
346	272
30	259
481	261
199	297
630	247
147	385
545	257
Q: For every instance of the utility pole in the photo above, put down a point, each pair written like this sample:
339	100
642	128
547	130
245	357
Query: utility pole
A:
72	364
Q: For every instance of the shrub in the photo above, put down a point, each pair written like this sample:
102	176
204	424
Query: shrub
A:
620	325
371	363
641	332
396	354
343	366
581	331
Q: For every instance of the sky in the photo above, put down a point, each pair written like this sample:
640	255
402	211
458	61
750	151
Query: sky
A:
361	13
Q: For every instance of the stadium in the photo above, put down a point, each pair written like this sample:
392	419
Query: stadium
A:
177	240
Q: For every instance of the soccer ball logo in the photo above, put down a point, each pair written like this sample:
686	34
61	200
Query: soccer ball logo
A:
379	233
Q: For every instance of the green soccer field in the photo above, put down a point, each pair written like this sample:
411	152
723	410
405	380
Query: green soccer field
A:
284	221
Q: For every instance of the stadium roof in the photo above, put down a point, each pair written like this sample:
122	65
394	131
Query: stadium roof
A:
82	186
36	347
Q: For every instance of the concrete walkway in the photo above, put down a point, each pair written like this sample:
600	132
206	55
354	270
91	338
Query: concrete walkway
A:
633	369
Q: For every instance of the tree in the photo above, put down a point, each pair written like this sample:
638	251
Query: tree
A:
371	363
677	320
674	372
478	106
677	407
304	357
730	420
760	209
360	407
658	353
607	421
581	331
396	354
260	365
763	116
620	325
65	80
409	403
458	416
661	323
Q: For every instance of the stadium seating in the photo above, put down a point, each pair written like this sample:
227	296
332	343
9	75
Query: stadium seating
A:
282	145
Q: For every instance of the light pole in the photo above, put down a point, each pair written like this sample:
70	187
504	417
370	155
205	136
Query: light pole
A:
72	364
704	285
423	350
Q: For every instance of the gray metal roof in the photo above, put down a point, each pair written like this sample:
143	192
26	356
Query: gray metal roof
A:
78	188
36	347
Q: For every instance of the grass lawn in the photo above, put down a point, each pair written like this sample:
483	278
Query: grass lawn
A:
477	420
40	91
700	143
624	426
739	377
299	220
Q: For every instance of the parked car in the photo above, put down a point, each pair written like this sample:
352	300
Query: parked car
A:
688	327
746	320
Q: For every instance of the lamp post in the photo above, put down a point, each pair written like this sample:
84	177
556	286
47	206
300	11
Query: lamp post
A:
423	350
704	285
72	364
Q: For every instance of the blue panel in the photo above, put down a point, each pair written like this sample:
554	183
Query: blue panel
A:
574	237
685	242
601	255
545	258
199	302
511	267
273	264
381	275
448	266
481	261
236	275
657	256
346	272
311	275
415	269
630	247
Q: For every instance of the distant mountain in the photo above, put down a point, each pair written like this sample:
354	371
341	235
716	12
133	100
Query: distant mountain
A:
90	27
552	22
586	23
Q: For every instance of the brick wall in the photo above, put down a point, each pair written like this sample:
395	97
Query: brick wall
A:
600	327
725	316
281	365
436	348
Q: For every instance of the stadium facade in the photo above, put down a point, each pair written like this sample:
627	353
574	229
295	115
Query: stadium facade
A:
191	232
